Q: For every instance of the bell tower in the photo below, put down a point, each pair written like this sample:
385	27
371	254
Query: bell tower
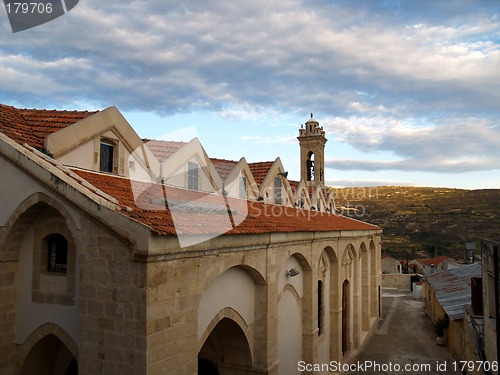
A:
312	153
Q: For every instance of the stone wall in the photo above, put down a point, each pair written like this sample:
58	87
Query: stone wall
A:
112	305
396	281
178	281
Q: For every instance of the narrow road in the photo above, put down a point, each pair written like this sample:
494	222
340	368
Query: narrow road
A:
404	342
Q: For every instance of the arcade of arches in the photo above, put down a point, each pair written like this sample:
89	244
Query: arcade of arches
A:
257	307
321	314
114	297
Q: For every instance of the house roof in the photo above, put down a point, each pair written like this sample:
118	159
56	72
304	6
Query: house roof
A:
452	288
192	218
433	261
260	170
32	126
162	150
223	166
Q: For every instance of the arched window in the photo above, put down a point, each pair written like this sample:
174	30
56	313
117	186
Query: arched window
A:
320	307
310	167
57	253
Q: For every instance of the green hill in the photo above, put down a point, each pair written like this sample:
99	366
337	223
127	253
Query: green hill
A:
421	222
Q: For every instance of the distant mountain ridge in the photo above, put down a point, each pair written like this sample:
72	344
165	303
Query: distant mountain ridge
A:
422	221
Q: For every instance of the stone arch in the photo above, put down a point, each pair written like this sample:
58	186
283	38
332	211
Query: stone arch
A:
322	293
305	264
291	289
350	299
375	293
238	293
23	216
49	350
236	281
365	269
256	275
324	304
335	305
294	321
12	237
226	349
228	313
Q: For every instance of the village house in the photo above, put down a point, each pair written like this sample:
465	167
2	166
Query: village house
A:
390	265
488	315
120	255
429	266
445	295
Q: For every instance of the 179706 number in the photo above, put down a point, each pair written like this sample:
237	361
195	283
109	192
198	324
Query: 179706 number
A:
26	8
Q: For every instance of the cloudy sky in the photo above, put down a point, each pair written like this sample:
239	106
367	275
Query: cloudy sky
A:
407	91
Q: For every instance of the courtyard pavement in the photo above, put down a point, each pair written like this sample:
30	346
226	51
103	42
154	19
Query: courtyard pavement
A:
404	342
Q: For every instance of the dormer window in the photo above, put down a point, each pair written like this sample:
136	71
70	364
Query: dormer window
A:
107	151
57	253
193	179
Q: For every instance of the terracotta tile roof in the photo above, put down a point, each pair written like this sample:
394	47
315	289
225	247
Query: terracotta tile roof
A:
223	166
162	150
259	170
32	126
293	185
259	218
433	261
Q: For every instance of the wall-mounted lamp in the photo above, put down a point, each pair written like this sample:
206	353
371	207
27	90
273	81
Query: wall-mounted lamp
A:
283	174
292	272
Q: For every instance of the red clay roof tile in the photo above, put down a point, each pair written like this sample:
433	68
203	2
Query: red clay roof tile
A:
259	218
223	166
260	170
32	126
162	150
433	261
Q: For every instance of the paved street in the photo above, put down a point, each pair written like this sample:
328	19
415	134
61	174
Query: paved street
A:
404	342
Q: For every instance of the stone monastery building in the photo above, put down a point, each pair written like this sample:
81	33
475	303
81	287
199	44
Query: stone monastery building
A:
120	255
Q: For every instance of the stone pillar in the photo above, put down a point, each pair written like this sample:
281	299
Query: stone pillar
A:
335	312
309	318
357	302
375	277
8	267
268	353
365	289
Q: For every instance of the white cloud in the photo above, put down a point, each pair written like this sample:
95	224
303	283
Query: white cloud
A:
418	80
452	145
285	139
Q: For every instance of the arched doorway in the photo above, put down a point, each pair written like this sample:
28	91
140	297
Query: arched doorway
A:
49	356
226	351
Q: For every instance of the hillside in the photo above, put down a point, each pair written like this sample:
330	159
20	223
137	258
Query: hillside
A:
421	222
